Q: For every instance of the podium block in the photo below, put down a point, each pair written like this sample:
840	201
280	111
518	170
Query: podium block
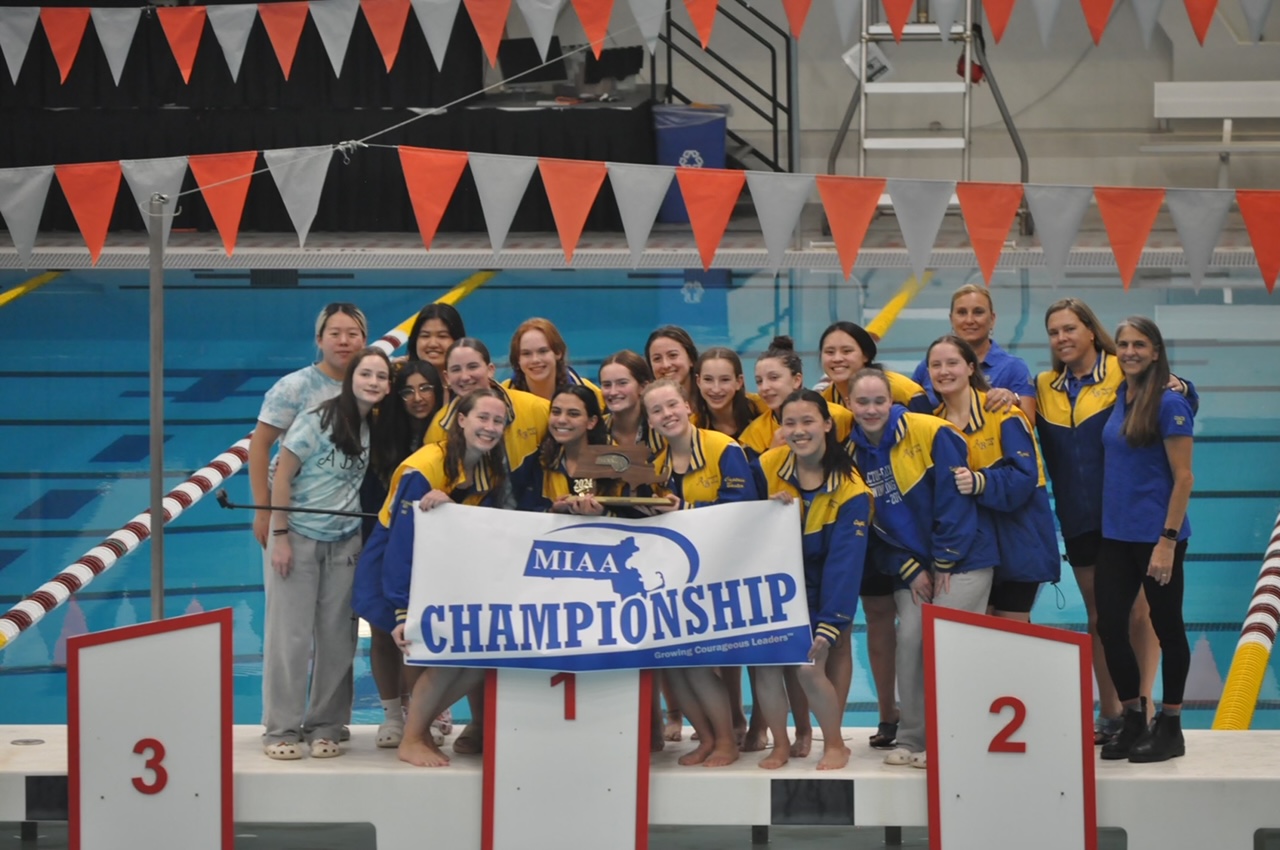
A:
149	735
1009	711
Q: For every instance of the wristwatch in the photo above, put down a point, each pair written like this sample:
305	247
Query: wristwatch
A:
1170	534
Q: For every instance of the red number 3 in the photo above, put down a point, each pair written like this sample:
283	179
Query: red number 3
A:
1001	743
570	682
161	776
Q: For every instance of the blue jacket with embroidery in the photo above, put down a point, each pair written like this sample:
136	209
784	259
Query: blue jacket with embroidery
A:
718	472
920	516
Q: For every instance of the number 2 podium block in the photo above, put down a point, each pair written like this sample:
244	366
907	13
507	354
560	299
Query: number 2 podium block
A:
1009	711
149	735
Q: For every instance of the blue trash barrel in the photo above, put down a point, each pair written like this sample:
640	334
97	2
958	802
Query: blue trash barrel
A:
689	136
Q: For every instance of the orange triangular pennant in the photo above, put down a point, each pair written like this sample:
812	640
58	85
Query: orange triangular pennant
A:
183	26
709	197
998	13
283	23
489	17
896	13
849	203
594	16
1128	215
386	20
797	11
1261	213
988	210
1201	14
223	179
703	15
431	176
64	28
572	186
1096	15
90	189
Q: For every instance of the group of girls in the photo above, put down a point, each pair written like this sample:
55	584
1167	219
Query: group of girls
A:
909	492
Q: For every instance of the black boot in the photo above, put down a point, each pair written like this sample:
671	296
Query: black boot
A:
1135	725
1161	742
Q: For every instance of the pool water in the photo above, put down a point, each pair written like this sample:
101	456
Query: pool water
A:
74	446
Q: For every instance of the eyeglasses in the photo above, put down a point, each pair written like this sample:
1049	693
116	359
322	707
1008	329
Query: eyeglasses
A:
422	389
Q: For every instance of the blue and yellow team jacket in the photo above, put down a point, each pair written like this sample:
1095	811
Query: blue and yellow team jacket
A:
391	544
574	378
920	516
557	483
528	415
1071	438
835	527
904	391
1009	488
757	438
718	472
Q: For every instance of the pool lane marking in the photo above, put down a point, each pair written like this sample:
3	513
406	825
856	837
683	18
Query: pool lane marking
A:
9	296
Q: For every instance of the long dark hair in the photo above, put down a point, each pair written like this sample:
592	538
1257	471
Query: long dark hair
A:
1102	341
783	349
406	431
596	436
835	460
554	340
1141	425
455	444
740	406
680	337
866	342
633	363
977	380
340	416
446	313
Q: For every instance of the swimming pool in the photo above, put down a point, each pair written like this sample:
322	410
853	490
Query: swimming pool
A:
73	452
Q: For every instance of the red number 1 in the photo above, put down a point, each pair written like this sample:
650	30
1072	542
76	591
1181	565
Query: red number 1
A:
570	682
1001	743
161	776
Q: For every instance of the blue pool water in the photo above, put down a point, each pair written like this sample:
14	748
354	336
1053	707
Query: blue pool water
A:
73	432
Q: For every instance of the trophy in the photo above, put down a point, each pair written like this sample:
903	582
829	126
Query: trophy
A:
629	465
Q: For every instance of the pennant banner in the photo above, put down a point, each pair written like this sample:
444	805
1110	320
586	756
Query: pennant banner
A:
334	20
1046	15
703	15
489	17
436	18
1096	14
850	204
649	15
386	19
22	195
183	26
1148	12
847	11
998	13
1255	14
64	27
1128	214
594	17
639	191
147	177
283	23
115	28
988	210
1057	212
17	24
919	206
779	199
1200	13
299	174
224	182
797	11
1199	216
90	189
710	195
431	177
540	16
231	26
572	187
500	181
1261	213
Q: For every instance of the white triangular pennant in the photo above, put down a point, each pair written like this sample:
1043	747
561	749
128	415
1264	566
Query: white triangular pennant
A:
846	14
1148	11
334	21
1255	14
639	190
147	177
500	181
779	199
1199	216
436	17
541	16
299	174
17	23
1057	211
944	12
1046	14
115	28
649	15
231	26
919	206
22	194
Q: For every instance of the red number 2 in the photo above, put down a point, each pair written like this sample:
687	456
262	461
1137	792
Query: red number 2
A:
570	682
1001	743
152	764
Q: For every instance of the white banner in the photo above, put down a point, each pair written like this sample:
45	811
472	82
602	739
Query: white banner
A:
720	585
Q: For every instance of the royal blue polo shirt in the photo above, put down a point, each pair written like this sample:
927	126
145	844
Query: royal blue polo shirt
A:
1002	369
1137	481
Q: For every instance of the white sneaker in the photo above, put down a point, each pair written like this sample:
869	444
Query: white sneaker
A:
920	760
899	756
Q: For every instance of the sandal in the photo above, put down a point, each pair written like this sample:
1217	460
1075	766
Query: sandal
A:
886	736
323	748
282	751
390	734
470	742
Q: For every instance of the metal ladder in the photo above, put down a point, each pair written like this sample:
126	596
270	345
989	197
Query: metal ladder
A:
961	31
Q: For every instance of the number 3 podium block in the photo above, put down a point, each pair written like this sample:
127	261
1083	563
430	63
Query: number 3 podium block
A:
149	735
1009	710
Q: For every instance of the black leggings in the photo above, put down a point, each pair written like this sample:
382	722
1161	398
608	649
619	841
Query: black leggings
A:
1121	570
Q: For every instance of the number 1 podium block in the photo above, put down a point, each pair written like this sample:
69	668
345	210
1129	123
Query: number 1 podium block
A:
1009	711
149	735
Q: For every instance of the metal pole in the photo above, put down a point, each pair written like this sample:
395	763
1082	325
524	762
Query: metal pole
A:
156	219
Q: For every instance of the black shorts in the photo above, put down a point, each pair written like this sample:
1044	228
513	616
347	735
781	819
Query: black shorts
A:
1082	550
1014	597
875	583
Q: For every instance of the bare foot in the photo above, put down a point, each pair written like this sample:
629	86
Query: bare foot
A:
722	755
777	758
756	740
740	730
673	730
698	756
803	744
470	741
421	752
834	757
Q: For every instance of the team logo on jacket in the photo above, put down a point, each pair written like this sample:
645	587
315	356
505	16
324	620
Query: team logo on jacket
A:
636	562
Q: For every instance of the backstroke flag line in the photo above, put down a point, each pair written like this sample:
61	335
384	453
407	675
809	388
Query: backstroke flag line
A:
724	585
